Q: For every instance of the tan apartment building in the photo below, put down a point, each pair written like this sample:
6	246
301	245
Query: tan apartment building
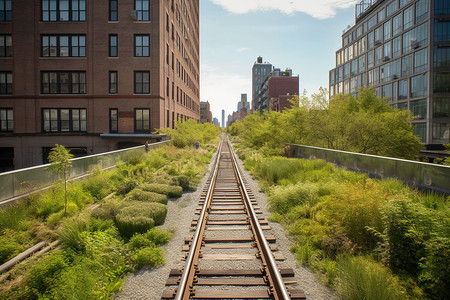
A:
94	75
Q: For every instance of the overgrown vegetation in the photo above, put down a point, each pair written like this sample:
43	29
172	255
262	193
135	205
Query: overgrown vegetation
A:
368	238
107	230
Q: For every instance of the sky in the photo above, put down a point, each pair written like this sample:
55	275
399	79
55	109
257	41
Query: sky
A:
299	34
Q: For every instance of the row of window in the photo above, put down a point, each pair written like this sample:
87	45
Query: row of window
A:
74	120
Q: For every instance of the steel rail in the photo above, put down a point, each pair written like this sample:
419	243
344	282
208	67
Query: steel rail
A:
188	272
280	291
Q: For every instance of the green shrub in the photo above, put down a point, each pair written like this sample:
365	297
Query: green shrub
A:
170	190
13	243
149	256
13	216
134	157
153	237
98	184
408	228
183	181
72	209
156	211
96	224
46	272
129	224
127	186
70	234
146	196
283	198
362	278
108	210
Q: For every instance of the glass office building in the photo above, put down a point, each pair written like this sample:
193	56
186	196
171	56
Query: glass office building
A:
402	49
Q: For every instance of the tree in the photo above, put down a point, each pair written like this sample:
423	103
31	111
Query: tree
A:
59	158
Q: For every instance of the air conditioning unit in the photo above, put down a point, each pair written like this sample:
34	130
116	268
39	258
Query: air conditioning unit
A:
394	77
377	42
386	58
134	15
414	44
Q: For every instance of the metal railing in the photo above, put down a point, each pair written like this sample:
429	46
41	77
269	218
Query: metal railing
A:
20	182
424	175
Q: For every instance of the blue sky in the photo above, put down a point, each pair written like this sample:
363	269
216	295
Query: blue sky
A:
300	34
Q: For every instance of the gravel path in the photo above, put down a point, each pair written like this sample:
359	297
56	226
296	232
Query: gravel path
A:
150	283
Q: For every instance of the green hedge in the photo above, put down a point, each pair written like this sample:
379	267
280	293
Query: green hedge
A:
171	191
147	196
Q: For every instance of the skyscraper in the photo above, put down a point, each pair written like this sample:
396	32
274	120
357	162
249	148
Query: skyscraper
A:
402	49
223	118
259	73
93	75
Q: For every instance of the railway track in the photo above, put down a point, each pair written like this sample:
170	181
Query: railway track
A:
229	232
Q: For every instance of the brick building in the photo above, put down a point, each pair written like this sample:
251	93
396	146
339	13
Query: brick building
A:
276	89
92	75
205	112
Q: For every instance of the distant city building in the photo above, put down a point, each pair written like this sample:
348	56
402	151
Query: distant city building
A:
277	88
216	122
94	75
223	118
402	49
243	103
259	73
205	112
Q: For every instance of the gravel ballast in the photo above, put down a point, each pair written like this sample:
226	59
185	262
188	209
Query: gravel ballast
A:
150	283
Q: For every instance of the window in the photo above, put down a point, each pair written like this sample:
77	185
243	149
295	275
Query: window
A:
419	108
402	89
167	87
167	22
408	19
5	10
143	9
387	51
441	7
441	30
362	63
378	55
113	120
391	8
370	40
346	70
378	35
420	60
141	82
421	10
63	82
113	82
441	56
419	86
142	120
113	10
64	120
381	15
141	45
441	133
372	22
387	30
441	107
167	54
6	120
387	91
63	46
441	82
404	2
397	24
339	74
407	65
370	60
415	38
362	45
420	129
113	40
5	45
6	80
354	66
396	47
63	10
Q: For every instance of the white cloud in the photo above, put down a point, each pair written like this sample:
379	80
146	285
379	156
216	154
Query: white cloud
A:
320	9
223	89
242	49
